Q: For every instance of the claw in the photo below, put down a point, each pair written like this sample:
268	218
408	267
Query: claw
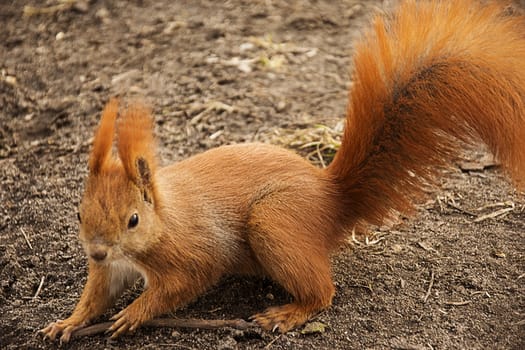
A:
66	334
65	328
120	326
119	322
117	316
122	329
124	321
50	331
113	336
47	337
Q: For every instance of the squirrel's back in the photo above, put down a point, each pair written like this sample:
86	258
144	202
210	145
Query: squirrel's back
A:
425	78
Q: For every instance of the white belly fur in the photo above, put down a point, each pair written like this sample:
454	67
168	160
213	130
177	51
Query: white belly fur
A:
123	274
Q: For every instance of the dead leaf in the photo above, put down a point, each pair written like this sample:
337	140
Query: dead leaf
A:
314	327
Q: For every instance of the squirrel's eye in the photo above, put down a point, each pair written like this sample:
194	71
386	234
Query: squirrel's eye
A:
133	221
79	218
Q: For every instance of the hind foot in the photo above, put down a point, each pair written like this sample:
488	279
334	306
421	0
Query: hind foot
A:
283	318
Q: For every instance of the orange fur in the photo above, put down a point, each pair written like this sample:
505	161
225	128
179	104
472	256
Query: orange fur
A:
136	147
135	138
419	91
103	140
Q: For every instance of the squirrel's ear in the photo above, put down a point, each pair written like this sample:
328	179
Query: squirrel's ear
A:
103	140
136	147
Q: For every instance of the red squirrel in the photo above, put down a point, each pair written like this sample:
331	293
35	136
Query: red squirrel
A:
427	78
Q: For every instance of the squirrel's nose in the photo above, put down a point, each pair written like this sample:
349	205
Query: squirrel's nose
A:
98	255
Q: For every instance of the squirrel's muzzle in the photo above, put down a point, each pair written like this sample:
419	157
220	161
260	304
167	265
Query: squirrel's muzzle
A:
97	252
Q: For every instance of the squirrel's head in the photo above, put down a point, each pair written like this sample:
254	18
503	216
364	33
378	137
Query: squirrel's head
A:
117	211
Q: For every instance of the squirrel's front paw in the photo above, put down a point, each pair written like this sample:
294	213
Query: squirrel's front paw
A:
125	321
66	327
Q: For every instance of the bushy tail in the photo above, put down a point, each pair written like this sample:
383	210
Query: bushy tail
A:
425	78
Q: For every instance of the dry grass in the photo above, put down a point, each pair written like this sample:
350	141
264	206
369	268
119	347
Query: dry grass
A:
318	143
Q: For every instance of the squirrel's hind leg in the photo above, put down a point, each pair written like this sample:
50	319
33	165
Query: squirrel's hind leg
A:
292	254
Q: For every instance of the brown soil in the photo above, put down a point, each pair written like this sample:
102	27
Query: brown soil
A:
217	73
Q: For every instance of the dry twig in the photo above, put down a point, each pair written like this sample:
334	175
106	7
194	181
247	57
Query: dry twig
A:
457	303
39	289
481	292
368	287
26	238
495	205
170	323
449	200
62	6
457	207
495	214
370	239
269	345
425	298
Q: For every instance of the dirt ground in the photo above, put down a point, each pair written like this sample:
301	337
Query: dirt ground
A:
229	72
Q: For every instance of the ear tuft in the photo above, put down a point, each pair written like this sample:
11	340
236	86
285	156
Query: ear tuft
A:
136	146
104	135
